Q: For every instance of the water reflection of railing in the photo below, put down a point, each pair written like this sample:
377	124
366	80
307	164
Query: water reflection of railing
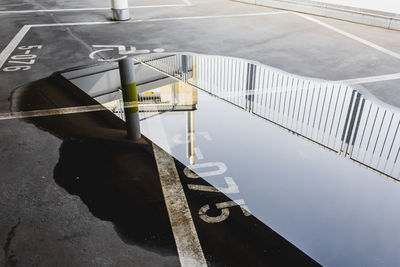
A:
151	103
333	115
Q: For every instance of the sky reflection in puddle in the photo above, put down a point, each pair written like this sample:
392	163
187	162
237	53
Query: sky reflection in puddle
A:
320	202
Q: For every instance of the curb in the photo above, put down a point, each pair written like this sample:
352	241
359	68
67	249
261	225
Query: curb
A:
363	16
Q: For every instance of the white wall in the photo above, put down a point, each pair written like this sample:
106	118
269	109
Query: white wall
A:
392	6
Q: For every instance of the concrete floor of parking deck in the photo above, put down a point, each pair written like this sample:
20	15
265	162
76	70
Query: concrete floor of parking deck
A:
41	224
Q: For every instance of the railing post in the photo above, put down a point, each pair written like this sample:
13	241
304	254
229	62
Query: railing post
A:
130	97
185	67
120	10
350	120
250	86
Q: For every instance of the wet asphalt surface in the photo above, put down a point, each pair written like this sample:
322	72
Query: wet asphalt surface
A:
117	182
69	196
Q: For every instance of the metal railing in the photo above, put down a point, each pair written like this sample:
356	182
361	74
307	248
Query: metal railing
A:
149	104
338	117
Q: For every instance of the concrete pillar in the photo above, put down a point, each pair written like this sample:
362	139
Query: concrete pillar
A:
120	10
130	97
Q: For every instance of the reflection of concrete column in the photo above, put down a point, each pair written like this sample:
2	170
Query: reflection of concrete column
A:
181	94
350	120
190	136
130	97
120	10
250	86
173	95
194	70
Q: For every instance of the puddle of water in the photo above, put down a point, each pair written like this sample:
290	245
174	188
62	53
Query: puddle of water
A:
118	180
333	209
347	120
313	198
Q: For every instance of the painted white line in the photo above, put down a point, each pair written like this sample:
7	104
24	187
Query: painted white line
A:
79	109
185	235
13	44
371	79
78	23
20	35
218	16
351	36
88	9
160	19
50	112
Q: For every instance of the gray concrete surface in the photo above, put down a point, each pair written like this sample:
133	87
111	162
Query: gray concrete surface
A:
36	212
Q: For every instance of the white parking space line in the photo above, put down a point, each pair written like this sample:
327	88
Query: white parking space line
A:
75	110
88	9
157	20
218	16
183	228
50	112
185	235
371	79
79	23
54	112
351	36
20	35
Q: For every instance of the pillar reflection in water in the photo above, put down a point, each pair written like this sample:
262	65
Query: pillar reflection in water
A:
184	95
190	136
